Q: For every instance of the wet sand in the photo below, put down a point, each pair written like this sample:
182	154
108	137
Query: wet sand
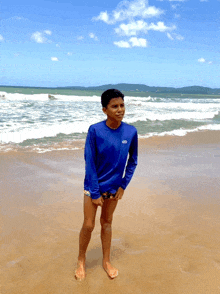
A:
166	229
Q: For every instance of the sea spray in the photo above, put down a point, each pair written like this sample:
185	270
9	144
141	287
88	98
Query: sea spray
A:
37	122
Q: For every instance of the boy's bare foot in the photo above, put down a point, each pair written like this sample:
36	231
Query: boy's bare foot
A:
80	272
110	270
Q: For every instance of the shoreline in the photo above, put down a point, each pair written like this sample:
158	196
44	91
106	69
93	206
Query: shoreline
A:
165	229
193	138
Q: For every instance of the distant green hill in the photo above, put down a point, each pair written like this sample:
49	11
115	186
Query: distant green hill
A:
144	88
129	89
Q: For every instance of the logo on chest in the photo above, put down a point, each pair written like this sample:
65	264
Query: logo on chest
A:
124	142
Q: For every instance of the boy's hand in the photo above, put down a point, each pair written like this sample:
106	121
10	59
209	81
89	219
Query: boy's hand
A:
98	202
119	193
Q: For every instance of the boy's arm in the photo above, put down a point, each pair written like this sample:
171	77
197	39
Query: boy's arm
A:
132	162
91	179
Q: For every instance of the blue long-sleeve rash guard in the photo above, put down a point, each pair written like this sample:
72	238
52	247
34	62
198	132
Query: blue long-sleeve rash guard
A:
106	153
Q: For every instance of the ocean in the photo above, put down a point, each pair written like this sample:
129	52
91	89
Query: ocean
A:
43	122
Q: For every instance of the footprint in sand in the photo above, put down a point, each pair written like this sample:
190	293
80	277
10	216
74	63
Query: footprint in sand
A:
187	267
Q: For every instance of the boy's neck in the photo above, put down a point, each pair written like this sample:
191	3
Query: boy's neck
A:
113	124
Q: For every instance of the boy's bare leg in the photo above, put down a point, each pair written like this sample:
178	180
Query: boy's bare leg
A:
85	235
108	209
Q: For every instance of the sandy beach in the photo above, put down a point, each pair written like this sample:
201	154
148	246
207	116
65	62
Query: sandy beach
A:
166	229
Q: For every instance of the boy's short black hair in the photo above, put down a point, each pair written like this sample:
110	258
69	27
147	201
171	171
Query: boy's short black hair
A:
109	94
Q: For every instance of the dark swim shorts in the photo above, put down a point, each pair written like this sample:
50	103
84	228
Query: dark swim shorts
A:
108	195
105	195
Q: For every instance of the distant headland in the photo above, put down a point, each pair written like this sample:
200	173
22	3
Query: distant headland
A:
127	89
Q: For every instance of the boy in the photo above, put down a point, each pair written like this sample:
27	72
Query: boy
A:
107	147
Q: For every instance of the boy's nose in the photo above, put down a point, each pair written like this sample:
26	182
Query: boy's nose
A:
120	108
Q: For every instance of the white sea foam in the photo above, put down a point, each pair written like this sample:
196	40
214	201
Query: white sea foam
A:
182	132
20	134
24	97
94	98
154	116
26	117
175	106
45	97
44	150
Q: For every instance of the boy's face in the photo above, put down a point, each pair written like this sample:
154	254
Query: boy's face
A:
115	110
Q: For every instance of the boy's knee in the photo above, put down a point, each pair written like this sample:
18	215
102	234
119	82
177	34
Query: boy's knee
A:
106	223
88	226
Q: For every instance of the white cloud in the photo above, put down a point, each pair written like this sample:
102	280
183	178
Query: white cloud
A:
40	37
54	59
18	18
202	60
170	36
174	6
179	37
47	32
129	10
93	36
173	0
160	27
133	42
132	29
122	44
175	36
204	0
103	16
69	53
1	38
80	38
140	26
131	15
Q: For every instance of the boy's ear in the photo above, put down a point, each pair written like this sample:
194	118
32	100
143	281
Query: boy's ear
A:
104	109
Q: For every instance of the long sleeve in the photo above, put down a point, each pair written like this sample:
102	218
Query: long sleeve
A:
132	162
106	153
91	179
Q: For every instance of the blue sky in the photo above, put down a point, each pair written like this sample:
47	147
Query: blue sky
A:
86	43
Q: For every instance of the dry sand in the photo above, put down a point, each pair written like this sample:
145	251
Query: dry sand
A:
166	229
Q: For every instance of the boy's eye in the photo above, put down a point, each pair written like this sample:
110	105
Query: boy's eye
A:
115	106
